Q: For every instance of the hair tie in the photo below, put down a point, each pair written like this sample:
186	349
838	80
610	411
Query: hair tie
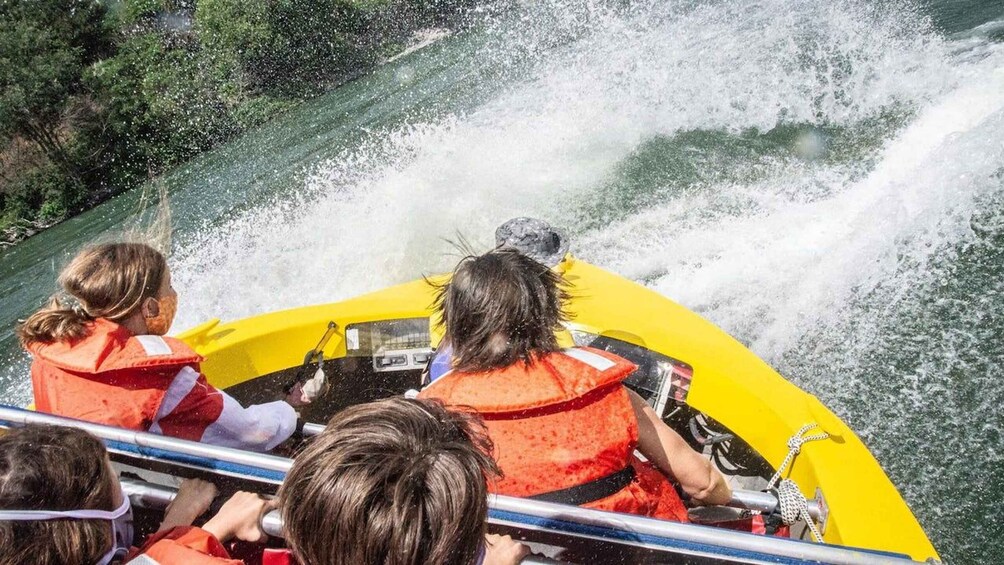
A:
77	307
79	310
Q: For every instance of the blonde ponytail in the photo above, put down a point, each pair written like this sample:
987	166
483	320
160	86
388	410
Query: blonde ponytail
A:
54	322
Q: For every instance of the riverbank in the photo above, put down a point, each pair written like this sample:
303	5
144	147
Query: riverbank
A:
98	98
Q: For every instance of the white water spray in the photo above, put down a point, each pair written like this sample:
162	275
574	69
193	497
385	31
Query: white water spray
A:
379	213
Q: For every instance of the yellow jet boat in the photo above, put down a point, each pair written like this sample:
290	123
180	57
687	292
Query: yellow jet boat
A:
750	420
787	456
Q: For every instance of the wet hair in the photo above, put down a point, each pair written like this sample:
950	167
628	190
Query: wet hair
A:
398	482
499	308
53	468
109	280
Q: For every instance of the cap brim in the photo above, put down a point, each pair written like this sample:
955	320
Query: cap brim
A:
553	259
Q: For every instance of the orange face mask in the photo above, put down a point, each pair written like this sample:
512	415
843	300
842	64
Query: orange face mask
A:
159	324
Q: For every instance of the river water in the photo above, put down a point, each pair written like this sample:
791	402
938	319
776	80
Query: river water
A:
824	180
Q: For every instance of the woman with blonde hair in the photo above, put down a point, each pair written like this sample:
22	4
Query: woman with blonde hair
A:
100	354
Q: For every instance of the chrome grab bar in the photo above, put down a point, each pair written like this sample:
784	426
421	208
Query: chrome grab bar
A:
143	494
518	509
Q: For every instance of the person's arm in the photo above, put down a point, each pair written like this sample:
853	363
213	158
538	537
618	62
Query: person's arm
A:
239	518
193	409
502	550
665	449
194	497
182	543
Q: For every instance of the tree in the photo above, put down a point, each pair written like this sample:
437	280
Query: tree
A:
44	46
161	106
37	72
291	47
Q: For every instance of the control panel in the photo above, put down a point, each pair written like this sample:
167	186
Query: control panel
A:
393	345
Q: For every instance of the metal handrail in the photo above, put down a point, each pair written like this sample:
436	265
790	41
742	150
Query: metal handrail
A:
751	500
157	497
764	502
521	507
312	429
146	439
149	495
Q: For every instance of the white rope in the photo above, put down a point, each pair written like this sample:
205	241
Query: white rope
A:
794	506
795	443
791	501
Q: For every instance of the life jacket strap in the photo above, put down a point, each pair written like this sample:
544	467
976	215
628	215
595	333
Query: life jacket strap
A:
592	491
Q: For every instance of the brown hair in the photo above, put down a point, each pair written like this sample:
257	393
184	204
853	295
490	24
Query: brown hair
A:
499	308
53	468
397	482
109	280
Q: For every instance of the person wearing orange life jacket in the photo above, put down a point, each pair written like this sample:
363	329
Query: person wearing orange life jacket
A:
237	519
61	503
564	427
102	356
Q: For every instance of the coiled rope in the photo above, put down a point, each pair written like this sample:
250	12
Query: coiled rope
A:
791	501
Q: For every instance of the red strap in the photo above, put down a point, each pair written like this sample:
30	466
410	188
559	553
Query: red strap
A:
277	557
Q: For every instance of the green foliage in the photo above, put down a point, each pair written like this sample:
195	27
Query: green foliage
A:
161	108
289	47
113	92
44	188
81	24
37	74
132	12
44	45
258	109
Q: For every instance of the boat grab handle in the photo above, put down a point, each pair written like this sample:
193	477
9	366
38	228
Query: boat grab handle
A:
152	496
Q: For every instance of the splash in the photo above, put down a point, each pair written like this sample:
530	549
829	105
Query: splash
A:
593	85
770	268
802	173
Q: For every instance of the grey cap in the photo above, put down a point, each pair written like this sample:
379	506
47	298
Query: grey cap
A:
534	238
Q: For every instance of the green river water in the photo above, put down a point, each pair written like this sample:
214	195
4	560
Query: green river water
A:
824	180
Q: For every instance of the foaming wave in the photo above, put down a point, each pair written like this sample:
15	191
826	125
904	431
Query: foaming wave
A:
796	260
770	269
380	212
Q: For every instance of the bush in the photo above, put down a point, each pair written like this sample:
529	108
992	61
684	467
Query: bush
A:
286	47
44	193
133	12
114	92
161	107
259	109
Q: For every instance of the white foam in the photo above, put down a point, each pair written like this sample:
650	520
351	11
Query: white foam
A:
774	272
545	145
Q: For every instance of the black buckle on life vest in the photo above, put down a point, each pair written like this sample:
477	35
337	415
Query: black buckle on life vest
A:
589	492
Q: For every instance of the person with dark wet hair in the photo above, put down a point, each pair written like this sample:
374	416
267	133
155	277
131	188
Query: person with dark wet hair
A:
397	482
564	426
538	240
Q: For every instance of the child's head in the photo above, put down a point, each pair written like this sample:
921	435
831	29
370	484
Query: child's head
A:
111	280
499	308
399	481
52	468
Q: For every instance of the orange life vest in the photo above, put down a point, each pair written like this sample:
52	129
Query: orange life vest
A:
184	545
148	383
109	376
564	420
